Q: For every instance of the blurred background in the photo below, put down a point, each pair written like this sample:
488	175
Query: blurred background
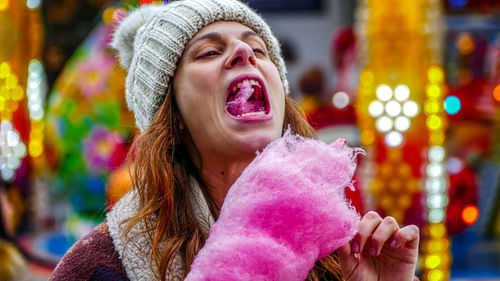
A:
416	83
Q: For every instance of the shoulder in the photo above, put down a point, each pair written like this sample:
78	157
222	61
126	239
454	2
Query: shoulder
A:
91	258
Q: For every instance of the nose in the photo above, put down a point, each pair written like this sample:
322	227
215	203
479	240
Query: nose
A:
242	54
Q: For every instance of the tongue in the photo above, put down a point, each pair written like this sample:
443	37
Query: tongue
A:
239	104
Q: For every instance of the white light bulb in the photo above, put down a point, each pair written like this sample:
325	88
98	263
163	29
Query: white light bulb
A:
436	154
436	215
384	124
402	123
454	165
384	92
435	169
340	100
376	108
394	139
402	93
393	108
410	109
435	185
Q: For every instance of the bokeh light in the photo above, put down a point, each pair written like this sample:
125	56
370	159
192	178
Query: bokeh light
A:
340	100
394	139
435	75
496	93
452	105
402	123
458	3
402	92
376	108
470	214
384	92
384	124
410	108
393	108
4	4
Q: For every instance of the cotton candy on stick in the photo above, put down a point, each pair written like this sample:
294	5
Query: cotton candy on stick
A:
287	210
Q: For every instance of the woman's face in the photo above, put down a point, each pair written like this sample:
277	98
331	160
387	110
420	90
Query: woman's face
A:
228	91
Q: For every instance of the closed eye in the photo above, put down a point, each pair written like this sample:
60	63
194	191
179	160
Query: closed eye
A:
260	51
208	54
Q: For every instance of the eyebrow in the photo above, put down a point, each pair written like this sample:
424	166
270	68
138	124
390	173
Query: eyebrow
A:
215	36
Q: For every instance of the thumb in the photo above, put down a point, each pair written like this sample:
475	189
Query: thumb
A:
348	260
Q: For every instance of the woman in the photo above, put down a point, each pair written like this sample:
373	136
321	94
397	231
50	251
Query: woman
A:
186	63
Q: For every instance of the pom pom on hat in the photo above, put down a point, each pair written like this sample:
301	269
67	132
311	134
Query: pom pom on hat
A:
124	35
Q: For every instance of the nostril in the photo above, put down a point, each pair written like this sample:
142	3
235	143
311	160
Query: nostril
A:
235	61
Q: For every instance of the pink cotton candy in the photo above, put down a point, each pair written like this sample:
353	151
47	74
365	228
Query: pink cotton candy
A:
240	103
286	210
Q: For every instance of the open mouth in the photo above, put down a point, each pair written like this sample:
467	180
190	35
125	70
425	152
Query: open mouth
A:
247	97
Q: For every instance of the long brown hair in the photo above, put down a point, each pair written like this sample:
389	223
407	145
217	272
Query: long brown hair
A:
161	173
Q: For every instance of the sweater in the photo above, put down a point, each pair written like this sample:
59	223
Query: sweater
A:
103	254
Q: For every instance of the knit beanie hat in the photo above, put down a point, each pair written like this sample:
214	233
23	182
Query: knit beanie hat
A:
151	40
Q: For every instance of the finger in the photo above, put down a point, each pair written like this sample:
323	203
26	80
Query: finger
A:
408	235
348	260
368	224
387	228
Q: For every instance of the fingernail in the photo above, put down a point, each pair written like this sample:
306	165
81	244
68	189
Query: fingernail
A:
373	251
393	243
355	247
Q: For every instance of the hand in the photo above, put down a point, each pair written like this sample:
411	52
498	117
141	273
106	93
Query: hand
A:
380	251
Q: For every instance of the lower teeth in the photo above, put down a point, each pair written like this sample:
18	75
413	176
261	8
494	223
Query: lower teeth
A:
252	114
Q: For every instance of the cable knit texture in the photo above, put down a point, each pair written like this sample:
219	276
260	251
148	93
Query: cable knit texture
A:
150	41
135	254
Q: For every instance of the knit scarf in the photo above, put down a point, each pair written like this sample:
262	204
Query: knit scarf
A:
135	254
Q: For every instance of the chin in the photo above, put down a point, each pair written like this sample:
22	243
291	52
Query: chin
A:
256	141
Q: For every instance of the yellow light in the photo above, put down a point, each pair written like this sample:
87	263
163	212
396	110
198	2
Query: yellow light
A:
386	202
4	94
405	171
434	122
386	170
107	15
465	43
496	93
432	107
4	4
366	77
437	245
437	230
433	91
436	139
432	261
470	214
435	275
11	82
4	69
367	137
395	185
376	186
17	93
35	149
36	135
435	74
2	105
404	201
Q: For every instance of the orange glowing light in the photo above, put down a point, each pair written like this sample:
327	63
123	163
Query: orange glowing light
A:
496	93
470	214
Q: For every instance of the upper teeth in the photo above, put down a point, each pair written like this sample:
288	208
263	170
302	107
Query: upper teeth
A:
251	81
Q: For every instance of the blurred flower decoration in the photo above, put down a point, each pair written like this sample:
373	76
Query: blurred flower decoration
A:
94	74
88	126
